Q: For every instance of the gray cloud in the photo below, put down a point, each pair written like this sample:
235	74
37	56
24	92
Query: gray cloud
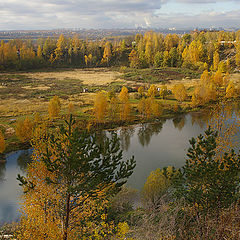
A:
47	14
204	20
204	1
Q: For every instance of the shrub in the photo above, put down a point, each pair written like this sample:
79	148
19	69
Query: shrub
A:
156	186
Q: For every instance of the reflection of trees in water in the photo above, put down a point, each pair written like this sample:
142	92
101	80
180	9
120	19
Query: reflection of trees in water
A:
2	167
146	131
237	109
24	159
200	119
125	135
100	137
179	122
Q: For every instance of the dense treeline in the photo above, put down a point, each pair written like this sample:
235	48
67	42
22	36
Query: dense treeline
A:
198	50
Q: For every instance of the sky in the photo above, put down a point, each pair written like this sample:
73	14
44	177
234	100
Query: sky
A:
108	14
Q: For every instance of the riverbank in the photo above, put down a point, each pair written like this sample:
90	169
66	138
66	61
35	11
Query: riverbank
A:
134	120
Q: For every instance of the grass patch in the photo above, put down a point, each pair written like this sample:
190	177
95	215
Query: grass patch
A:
159	75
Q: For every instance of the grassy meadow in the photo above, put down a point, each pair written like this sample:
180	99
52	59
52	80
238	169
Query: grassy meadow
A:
27	93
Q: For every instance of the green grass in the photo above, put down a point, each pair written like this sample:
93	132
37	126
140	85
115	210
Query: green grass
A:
158	75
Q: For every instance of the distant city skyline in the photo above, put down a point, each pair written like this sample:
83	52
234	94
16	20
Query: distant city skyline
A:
113	14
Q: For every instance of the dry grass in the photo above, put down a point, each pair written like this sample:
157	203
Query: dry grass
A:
13	107
88	77
186	82
26	93
41	87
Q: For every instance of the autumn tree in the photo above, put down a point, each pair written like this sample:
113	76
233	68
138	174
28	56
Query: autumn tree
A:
149	107
170	41
152	91
100	106
144	107
226	79
166	59
107	55
114	108
134	59
216	60
60	48
173	55
48	48
237	58
125	107
218	78
179	92
149	51
39	52
158	59
156	185
88	59
76	173
231	90
205	91
163	91
141	91
24	129
54	107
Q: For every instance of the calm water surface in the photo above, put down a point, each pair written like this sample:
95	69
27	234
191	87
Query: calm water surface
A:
153	145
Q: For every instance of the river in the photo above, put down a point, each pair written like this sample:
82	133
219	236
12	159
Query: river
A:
153	146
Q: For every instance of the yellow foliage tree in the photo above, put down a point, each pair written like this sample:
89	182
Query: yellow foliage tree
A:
114	108
40	208
125	107
141	90
54	107
156	186
226	79
231	90
134	59
149	107
2	143
61	45
163	92
218	78
216	60
107	55
237	60
24	129
205	78
205	91
203	94
37	117
152	91
179	92
144	107
100	107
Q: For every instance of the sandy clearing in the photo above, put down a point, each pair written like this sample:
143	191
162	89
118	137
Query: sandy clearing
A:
41	87
88	77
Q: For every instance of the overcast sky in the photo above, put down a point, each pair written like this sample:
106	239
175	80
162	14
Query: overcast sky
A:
52	14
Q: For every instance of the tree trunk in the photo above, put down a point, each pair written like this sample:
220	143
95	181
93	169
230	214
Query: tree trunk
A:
66	224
